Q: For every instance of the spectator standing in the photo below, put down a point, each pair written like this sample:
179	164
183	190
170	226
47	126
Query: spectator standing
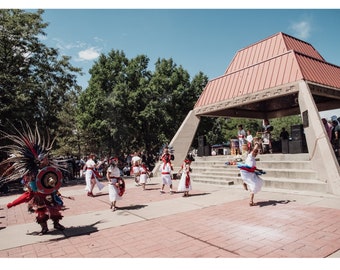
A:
284	135
335	140
266	135
327	128
241	135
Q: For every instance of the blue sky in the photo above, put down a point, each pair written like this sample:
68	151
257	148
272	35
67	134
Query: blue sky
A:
198	40
204	39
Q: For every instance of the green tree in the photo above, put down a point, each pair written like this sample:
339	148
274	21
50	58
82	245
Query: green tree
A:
126	107
109	109
35	82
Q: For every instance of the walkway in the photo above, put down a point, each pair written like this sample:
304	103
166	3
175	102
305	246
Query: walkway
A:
214	222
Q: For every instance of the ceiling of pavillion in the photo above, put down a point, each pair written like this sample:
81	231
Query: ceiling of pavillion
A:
262	81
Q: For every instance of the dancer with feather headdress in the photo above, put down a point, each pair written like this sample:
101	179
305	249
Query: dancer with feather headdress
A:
28	158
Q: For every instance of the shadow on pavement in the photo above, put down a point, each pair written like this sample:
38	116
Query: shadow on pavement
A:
158	188
198	194
100	194
273	202
132	207
70	231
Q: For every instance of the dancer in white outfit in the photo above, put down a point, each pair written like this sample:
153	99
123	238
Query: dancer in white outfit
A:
91	176
166	169
135	167
144	174
115	183
250	174
185	181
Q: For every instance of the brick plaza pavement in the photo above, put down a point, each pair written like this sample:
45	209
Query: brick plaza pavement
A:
214	222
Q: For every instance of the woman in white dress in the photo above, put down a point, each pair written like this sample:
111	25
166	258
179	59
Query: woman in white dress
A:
144	174
184	184
91	176
115	183
250	174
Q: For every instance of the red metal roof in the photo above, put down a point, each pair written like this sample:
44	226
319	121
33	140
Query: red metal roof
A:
274	61
318	71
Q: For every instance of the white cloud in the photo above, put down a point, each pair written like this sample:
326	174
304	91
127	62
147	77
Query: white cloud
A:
302	29
60	44
88	54
98	39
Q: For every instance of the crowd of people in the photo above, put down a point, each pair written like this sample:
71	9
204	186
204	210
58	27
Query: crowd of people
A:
29	160
43	197
250	174
141	174
332	128
140	171
263	139
42	177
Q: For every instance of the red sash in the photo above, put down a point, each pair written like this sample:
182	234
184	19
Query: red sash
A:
121	186
187	180
96	173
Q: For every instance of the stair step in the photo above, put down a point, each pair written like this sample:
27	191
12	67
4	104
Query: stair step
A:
290	184
283	171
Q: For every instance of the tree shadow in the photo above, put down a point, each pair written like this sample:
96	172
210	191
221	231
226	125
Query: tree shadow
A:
273	202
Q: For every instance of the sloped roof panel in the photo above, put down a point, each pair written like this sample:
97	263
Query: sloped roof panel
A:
301	47
276	71
268	48
319	72
275	61
258	52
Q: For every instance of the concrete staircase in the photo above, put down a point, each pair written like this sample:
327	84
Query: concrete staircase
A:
291	172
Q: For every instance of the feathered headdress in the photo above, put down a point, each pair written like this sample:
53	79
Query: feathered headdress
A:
25	149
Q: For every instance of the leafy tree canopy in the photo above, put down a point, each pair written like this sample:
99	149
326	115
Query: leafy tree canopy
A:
35	82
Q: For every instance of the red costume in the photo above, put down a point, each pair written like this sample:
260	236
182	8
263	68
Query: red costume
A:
42	178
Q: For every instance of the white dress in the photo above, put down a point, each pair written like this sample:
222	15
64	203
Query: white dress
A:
253	181
143	175
89	174
166	170
136	173
182	185
114	174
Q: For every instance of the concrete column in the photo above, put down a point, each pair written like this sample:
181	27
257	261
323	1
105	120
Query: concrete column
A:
320	150
182	141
